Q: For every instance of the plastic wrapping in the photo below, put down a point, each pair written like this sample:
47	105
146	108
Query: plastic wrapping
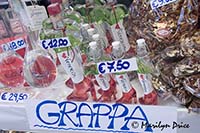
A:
192	84
162	26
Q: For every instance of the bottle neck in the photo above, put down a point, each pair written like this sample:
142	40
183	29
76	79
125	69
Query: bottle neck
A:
33	39
142	51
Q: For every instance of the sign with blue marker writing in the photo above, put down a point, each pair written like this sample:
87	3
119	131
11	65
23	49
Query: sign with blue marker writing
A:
13	97
116	66
159	3
55	43
99	117
14	45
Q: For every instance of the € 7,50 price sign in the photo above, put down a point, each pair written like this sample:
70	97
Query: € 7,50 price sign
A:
117	66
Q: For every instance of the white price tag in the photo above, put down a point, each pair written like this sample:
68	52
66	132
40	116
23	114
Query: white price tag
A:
100	117
14	45
159	3
117	66
15	97
55	43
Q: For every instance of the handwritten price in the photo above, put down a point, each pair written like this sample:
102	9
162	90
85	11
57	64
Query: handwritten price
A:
55	43
13	97
14	45
117	66
158	3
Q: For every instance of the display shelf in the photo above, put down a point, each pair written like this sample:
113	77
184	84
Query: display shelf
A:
13	116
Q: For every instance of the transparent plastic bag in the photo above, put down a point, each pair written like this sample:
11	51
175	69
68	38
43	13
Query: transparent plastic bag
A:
163	26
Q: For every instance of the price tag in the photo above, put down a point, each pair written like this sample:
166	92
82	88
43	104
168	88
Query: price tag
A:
55	43
14	45
13	97
159	3
117	66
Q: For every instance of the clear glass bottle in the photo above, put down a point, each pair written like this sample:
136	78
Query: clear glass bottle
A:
39	67
55	14
104	81
103	45
15	23
145	68
4	32
128	92
11	69
81	84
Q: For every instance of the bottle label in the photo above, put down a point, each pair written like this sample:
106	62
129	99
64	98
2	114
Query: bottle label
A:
3	29
37	14
103	40
119	34
124	82
78	57
145	82
71	65
103	81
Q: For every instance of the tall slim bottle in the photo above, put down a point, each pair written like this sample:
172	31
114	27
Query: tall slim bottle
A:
105	81
128	92
145	68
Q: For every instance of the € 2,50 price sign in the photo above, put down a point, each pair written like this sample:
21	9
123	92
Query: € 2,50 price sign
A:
117	66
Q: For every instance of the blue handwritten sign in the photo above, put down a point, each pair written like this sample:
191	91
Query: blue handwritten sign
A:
14	45
115	66
13	97
159	3
99	117
55	43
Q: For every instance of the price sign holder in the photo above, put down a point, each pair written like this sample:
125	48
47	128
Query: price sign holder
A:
159	3
19	47
55	43
13	97
117	66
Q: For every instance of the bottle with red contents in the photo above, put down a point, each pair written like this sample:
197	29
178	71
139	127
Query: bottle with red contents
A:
4	32
104	81
81	84
39	68
15	23
128	92
55	14
145	68
118	32
11	69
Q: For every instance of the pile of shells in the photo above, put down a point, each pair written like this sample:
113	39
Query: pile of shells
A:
173	38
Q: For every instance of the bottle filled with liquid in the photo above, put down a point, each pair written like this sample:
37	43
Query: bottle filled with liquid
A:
104	81
128	92
145	68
